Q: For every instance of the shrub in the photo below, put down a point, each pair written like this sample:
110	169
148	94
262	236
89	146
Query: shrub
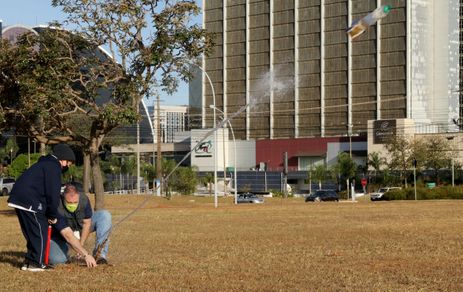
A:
280	194
342	195
423	193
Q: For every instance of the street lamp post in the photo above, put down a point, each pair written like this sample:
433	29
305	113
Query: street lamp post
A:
234	156
349	133
453	162
215	132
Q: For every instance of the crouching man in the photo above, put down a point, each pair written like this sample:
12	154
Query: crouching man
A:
77	217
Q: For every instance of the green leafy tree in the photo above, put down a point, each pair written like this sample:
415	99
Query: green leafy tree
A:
21	163
148	171
319	173
401	156
184	180
346	167
208	181
438	154
9	152
65	90
376	162
154	42
74	173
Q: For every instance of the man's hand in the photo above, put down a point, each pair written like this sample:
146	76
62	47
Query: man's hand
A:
52	221
90	261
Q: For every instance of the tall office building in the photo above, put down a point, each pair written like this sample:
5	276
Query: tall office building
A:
304	77
173	119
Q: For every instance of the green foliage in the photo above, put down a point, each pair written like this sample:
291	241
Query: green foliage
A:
432	152
74	173
10	150
376	162
438	154
346	166
129	165
280	194
343	195
207	181
423	193
148	171
400	155
21	163
319	173
184	180
57	86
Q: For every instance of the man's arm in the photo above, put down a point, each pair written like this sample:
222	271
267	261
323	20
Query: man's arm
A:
85	230
75	244
52	177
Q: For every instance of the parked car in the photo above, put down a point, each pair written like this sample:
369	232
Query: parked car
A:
249	198
6	184
379	195
322	195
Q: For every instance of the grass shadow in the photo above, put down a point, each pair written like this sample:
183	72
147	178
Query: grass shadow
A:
7	212
14	258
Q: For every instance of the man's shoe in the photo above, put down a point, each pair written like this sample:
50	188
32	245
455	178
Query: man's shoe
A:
25	265
101	261
33	267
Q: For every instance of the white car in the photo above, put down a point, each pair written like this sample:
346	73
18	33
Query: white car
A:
379	195
6	184
249	198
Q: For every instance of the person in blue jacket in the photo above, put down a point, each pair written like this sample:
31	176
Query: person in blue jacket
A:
35	197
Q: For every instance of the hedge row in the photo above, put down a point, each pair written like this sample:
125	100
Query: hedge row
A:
422	193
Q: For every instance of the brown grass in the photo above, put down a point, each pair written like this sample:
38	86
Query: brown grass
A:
186	244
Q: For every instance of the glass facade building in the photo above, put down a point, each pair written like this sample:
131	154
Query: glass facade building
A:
302	75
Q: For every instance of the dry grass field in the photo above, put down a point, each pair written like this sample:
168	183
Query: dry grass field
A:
186	244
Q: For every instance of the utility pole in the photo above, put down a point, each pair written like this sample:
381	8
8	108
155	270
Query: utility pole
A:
138	152
158	143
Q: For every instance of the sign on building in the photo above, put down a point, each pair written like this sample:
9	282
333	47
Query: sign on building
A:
383	130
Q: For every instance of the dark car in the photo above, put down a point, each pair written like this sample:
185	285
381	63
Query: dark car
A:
249	198
322	195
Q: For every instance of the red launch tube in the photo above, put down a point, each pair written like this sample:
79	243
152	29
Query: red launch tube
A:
47	248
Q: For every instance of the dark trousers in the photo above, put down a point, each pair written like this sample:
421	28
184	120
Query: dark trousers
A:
35	228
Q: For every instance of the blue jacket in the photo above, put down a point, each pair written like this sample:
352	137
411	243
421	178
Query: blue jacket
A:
39	187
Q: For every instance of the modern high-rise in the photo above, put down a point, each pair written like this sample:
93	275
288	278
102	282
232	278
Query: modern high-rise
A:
302	75
173	119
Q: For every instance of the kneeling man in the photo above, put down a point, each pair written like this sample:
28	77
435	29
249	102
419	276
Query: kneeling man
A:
76	213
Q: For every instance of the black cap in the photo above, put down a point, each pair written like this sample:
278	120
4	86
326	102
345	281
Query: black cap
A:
64	152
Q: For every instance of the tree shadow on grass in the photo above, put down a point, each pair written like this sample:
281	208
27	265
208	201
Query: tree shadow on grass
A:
7	213
14	258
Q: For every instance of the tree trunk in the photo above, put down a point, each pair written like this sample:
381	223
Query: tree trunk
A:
87	172
348	187
43	149
96	172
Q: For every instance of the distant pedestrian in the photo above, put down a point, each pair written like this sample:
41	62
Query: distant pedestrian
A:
35	197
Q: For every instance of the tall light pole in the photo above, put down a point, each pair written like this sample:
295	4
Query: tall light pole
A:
153	134
349	133
213	126
234	156
453	162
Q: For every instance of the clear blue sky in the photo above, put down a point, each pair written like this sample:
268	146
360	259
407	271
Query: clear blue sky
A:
37	12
